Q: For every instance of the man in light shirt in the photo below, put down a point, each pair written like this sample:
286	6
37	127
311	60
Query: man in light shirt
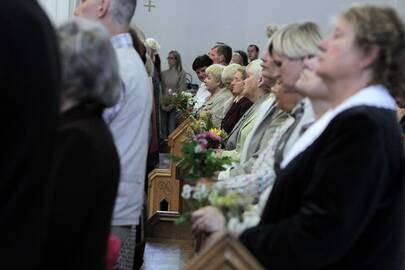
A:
129	121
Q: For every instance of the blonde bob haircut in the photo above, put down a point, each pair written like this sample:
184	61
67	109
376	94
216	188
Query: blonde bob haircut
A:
229	72
216	70
296	41
255	68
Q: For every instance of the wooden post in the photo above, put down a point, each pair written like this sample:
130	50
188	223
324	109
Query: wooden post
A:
163	186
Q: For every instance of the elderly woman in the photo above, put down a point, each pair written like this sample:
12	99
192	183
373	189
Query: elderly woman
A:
86	165
256	95
339	200
221	98
233	77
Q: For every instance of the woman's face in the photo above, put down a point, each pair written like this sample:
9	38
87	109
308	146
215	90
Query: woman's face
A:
268	68
287	70
171	61
251	84
339	55
237	84
211	83
309	83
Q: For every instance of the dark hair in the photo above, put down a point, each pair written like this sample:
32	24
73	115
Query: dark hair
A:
254	45
157	64
226	51
138	45
244	57
201	61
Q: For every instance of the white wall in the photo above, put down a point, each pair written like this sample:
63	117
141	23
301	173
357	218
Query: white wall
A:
401	8
193	26
58	10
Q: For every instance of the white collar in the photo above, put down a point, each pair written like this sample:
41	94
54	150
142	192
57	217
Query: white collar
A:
374	95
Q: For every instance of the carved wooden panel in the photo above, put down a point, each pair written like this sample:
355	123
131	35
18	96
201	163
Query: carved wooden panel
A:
223	251
162	183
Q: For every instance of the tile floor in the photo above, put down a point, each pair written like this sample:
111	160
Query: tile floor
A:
167	254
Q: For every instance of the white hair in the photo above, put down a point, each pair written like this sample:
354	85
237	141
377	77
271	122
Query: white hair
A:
255	68
89	63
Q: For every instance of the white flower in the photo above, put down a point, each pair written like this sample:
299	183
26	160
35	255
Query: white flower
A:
198	149
153	44
169	91
201	192
186	193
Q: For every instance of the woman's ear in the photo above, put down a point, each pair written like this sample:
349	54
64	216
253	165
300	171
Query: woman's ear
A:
369	57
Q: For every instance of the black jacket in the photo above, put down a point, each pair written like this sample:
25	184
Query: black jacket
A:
29	82
341	203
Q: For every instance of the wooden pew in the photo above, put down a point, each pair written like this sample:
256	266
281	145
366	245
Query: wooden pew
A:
163	187
223	251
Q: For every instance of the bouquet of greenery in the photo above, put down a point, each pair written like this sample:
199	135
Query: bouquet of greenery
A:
232	204
181	101
199	155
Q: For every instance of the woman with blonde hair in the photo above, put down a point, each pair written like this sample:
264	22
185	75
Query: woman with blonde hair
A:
218	103
173	80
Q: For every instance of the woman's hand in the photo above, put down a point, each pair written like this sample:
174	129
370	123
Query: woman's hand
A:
207	219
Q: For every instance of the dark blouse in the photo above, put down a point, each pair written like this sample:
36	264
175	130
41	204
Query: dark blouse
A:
234	113
340	203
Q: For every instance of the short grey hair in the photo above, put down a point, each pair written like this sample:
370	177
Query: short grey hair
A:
122	11
89	63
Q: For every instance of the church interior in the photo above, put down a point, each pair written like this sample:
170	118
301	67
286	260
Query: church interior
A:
184	134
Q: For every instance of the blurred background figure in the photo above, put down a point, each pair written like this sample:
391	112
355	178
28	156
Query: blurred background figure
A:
173	80
253	52
30	79
240	57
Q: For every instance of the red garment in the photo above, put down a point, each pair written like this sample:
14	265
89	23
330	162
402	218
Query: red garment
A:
113	250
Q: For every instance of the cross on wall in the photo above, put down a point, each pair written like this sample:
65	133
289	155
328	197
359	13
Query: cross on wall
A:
148	4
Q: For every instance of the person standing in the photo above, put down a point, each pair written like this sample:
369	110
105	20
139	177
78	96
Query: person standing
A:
173	81
129	120
30	81
85	169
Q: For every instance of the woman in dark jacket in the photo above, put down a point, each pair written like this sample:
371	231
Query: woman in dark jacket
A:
86	170
233	77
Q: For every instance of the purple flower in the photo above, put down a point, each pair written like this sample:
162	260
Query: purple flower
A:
203	143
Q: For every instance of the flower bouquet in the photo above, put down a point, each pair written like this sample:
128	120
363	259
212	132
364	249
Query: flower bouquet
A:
232	204
181	101
199	155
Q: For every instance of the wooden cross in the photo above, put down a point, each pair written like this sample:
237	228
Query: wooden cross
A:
149	5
